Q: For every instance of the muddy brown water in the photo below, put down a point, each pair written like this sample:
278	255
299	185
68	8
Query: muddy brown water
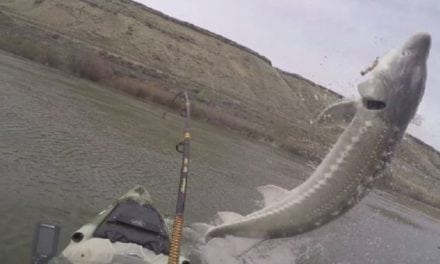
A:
68	148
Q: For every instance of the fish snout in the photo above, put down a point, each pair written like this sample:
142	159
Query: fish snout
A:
419	44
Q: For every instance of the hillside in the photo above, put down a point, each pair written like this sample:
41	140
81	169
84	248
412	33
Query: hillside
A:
127	46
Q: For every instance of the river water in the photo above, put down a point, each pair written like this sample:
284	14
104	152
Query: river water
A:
68	148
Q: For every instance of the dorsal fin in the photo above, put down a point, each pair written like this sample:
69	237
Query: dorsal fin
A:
340	113
227	217
271	193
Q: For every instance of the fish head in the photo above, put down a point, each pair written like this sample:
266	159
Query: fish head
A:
397	83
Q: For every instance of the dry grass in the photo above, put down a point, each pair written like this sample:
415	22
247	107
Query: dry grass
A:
23	48
98	67
141	89
101	68
90	66
31	50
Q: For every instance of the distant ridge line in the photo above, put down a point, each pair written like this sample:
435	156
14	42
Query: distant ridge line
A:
295	75
196	28
423	143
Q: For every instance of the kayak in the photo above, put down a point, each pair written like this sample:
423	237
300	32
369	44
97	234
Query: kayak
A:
129	231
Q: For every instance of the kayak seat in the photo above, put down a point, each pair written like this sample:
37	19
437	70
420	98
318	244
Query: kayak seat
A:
130	222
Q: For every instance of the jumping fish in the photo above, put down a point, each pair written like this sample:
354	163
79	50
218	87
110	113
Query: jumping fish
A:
376	124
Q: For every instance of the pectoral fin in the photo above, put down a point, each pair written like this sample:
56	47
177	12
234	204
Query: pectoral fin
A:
228	217
271	193
340	113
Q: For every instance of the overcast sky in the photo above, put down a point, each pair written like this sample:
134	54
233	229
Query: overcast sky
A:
328	42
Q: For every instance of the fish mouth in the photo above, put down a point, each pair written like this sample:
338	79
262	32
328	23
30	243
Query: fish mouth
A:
372	104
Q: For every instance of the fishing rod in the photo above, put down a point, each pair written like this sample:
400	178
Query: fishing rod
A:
184	148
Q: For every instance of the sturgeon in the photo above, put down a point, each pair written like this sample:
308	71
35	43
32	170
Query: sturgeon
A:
376	123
